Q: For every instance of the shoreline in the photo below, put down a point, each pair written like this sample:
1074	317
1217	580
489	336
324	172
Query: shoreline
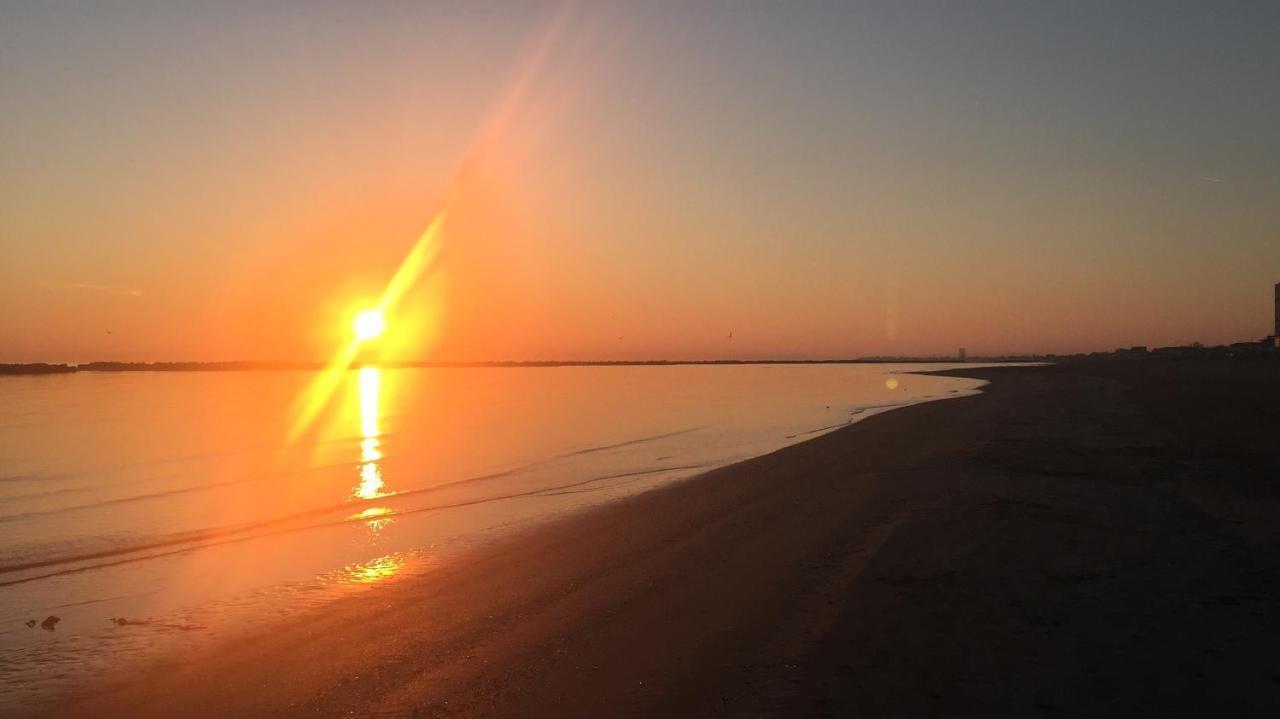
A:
739	591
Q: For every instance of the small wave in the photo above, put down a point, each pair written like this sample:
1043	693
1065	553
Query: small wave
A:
216	485
628	443
9	478
118	500
215	537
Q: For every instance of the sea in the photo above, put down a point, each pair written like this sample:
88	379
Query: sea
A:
151	512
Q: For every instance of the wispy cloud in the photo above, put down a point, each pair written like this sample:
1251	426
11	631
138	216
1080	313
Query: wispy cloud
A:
87	287
1212	179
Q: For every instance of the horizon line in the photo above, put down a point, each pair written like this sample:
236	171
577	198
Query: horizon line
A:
249	365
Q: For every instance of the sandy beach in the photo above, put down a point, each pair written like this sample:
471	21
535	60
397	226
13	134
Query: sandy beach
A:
1090	539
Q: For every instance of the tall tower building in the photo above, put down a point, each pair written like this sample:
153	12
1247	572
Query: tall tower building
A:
1277	315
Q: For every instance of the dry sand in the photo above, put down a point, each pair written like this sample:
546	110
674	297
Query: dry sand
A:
1087	539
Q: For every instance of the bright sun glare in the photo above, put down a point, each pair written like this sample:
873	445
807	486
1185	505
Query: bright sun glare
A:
369	325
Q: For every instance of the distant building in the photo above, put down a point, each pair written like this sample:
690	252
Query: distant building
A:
961	354
1275	335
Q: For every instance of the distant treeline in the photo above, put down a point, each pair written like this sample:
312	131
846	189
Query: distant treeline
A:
42	368
36	368
1263	349
1163	353
195	366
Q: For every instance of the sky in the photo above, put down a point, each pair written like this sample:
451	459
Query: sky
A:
233	181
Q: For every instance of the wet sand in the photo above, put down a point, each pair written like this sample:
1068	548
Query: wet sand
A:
1086	539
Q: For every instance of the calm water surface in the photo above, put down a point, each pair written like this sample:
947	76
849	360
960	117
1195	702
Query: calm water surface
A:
172	500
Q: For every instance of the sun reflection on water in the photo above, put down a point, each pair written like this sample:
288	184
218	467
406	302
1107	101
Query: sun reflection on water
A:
370	486
374	570
370	381
371	482
375	518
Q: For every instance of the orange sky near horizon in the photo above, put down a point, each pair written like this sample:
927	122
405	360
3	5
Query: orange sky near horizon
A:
691	183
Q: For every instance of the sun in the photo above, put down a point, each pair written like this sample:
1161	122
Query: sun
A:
369	325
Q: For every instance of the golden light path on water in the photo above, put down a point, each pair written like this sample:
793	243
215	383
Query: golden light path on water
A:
371	484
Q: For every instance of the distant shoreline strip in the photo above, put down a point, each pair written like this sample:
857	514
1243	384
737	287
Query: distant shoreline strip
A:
49	368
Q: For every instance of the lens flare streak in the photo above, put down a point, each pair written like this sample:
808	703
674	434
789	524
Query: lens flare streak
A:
415	265
425	252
